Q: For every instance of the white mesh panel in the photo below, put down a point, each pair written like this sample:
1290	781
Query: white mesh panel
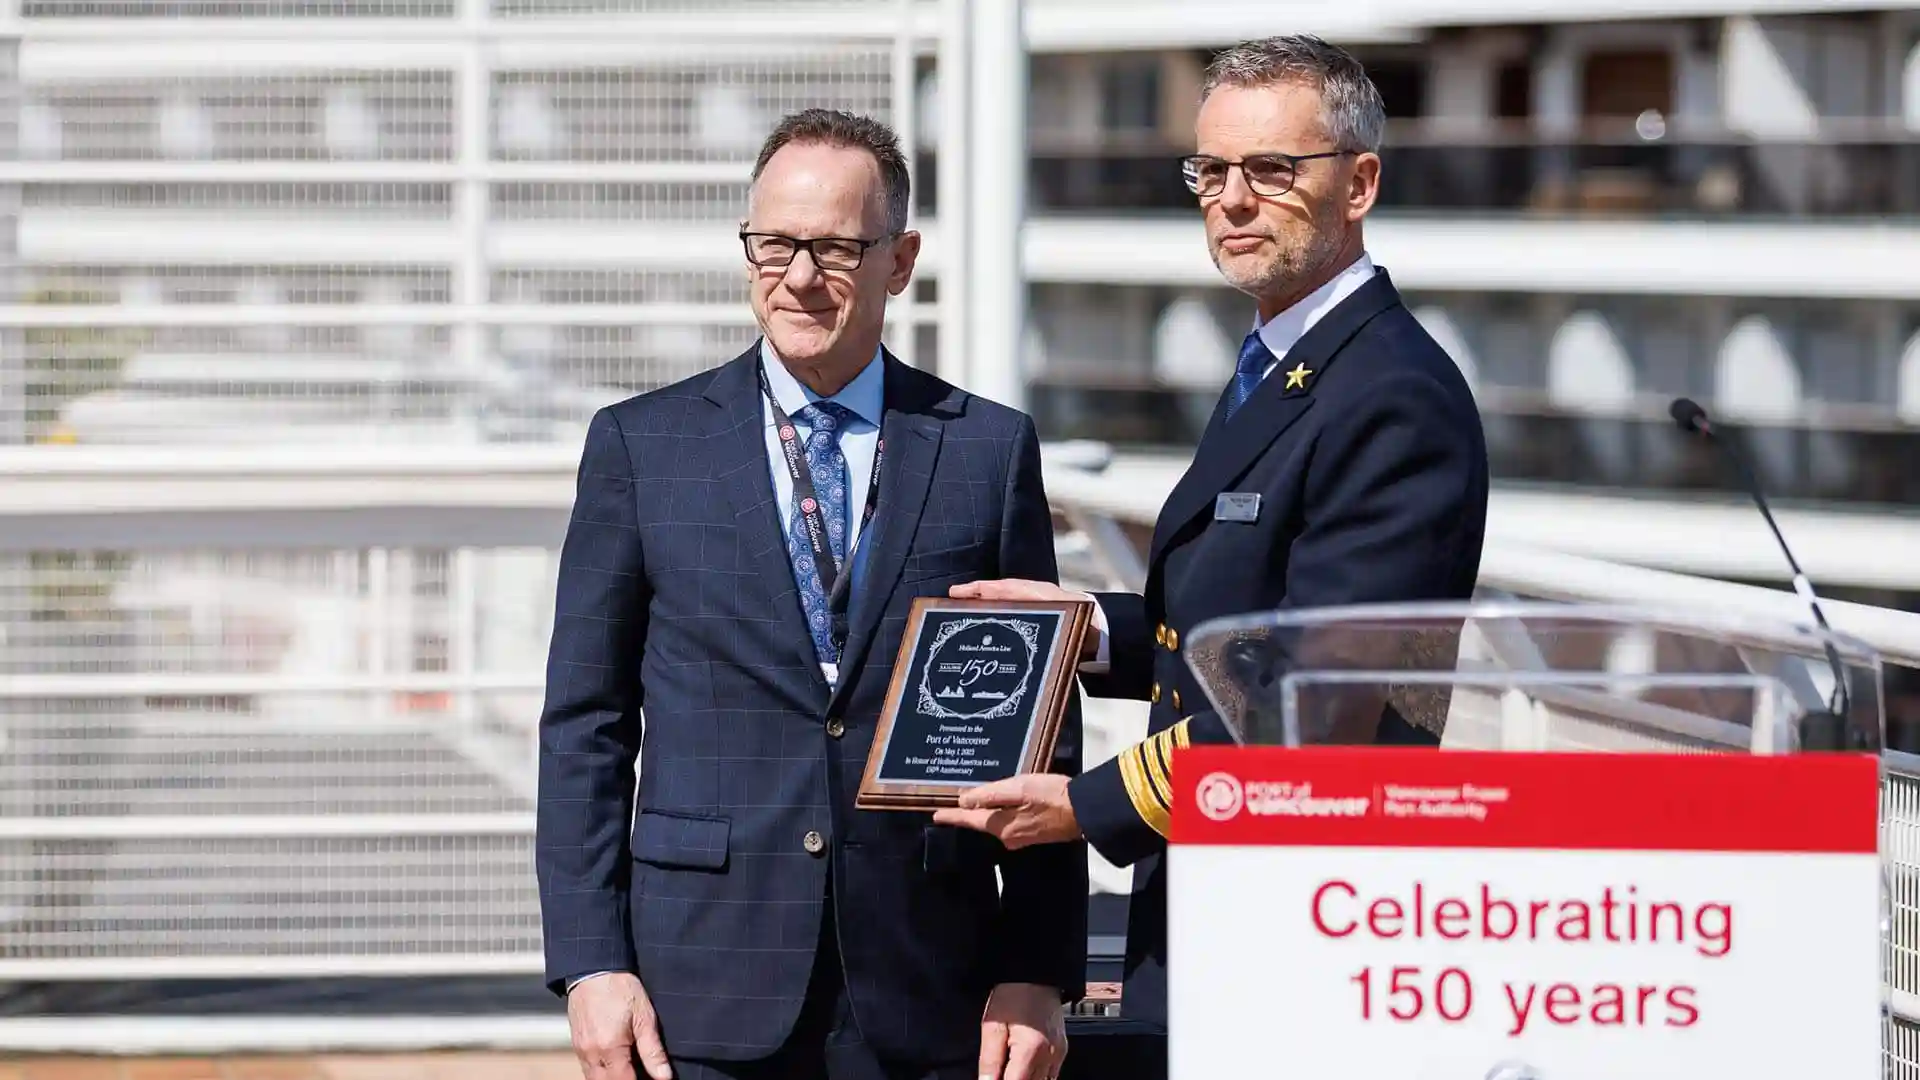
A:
550	8
236	9
320	241
270	204
204	256
685	110
435	900
268	753
618	287
13	284
398	116
1900	855
224	385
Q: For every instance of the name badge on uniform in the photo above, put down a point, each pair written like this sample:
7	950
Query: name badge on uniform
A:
1241	506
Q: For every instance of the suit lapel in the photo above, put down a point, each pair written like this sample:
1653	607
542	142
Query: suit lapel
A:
911	441
740	452
1229	447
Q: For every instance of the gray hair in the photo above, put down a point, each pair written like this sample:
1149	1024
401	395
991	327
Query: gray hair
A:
1350	105
849	131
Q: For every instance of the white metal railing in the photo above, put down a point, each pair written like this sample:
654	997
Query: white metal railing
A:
1552	575
1536	571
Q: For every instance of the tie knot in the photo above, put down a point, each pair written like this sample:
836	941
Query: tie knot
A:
1254	356
826	416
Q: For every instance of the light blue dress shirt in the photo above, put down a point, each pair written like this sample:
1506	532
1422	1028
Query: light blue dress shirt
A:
864	397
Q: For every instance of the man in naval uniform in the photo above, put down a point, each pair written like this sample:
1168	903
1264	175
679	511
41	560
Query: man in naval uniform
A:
1345	464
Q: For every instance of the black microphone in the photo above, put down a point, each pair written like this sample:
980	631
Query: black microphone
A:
1822	730
1689	415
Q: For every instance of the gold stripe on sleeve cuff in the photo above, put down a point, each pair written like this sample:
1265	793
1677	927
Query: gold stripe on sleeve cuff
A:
1146	802
1159	760
1155	757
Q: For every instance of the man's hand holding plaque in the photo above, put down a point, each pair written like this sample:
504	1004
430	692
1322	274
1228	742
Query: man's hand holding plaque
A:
1031	807
980	686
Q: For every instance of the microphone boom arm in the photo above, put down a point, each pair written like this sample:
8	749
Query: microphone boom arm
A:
1691	418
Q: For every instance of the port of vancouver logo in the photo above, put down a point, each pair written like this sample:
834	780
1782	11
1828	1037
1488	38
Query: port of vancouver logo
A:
1222	796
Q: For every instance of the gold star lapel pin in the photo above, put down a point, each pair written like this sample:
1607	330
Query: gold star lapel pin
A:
1297	378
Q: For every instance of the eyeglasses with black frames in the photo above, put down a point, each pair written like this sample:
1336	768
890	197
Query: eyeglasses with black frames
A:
827	252
1266	174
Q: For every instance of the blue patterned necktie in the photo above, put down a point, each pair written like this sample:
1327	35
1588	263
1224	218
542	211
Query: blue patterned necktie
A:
1247	372
825	419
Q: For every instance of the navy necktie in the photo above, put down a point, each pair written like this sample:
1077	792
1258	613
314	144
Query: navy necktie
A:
829	471
1247	372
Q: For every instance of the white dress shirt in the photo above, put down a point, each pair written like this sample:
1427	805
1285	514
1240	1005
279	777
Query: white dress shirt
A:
1282	332
1279	334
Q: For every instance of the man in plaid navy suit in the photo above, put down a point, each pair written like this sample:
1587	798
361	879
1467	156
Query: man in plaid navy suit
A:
743	551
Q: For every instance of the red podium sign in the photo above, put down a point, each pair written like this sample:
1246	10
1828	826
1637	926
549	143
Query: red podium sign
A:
1415	914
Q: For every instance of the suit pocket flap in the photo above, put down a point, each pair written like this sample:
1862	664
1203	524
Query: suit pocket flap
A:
668	839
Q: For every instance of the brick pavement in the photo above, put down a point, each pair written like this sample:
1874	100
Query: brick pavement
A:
437	1066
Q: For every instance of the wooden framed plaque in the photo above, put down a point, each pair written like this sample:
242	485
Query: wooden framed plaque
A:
979	689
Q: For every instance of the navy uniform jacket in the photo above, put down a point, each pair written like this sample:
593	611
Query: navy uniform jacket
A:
1371	469
675	593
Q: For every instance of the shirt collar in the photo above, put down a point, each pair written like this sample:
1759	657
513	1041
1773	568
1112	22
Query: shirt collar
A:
864	397
1284	330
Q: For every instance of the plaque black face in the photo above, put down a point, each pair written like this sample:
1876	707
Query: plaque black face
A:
971	698
977	696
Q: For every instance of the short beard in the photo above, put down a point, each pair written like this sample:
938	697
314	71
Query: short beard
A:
1291	266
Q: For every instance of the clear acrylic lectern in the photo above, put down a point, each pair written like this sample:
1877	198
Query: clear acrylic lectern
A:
1528	675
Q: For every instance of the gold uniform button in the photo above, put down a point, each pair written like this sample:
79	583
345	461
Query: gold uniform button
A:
1156	694
1173	638
813	842
1160	634
836	728
1176	700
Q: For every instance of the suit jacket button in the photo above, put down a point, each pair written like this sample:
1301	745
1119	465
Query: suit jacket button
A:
836	727
813	842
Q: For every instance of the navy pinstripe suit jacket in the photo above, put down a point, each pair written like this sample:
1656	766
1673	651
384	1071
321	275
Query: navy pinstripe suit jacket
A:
675	593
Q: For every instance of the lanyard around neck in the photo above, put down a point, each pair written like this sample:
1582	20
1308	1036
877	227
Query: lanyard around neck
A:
832	581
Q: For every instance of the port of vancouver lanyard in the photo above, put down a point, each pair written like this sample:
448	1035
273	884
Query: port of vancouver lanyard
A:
832	581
